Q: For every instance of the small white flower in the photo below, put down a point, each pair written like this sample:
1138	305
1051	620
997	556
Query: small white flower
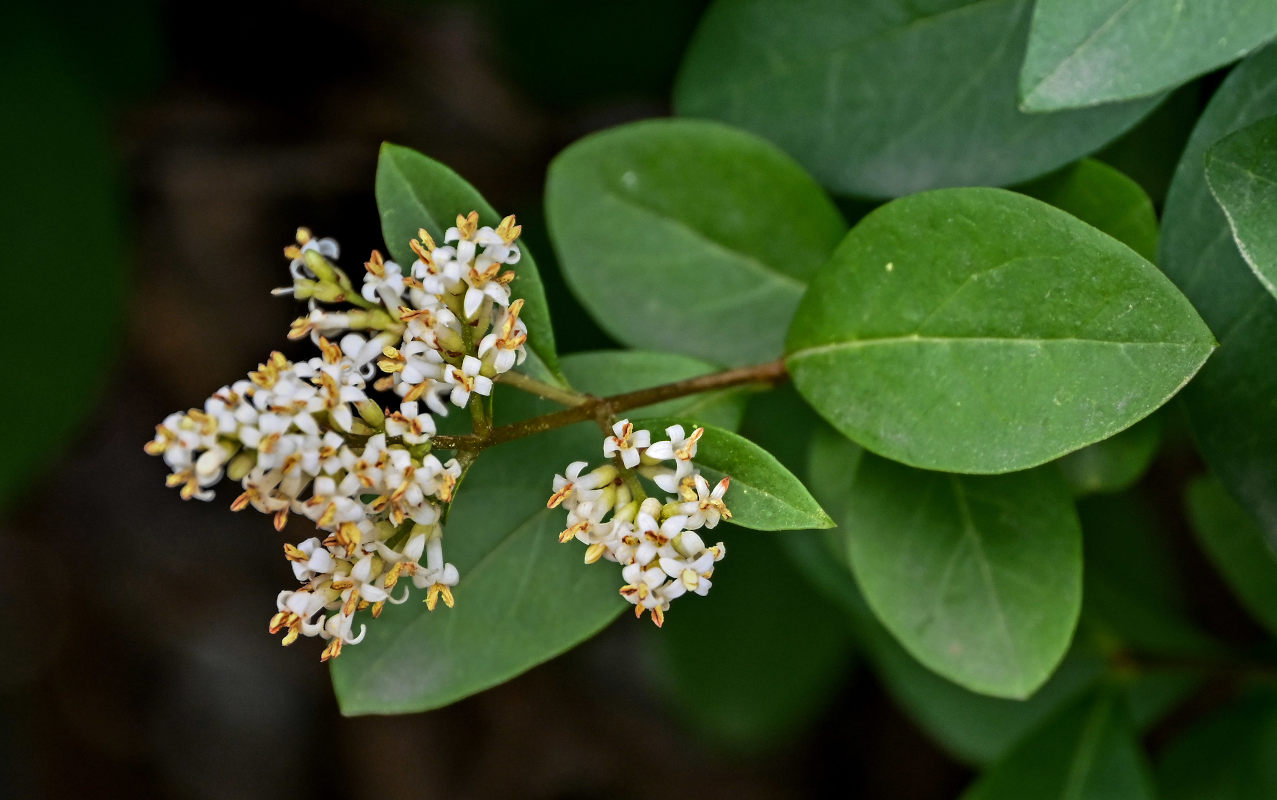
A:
295	613
503	348
708	507
410	425
654	535
681	449
326	247
310	558
383	281
572	487
467	379
627	442
678	447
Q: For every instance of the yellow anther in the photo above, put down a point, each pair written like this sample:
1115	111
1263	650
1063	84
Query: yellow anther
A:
438	590
570	533
508	231
300	329
559	496
331	352
468	224
684	453
349	535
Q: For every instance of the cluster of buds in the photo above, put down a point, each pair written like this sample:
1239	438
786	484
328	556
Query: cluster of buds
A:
661	555
306	438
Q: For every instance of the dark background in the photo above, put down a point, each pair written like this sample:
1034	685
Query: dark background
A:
183	143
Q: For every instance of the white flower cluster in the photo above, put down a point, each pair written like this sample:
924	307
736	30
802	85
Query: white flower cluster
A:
306	438
656	543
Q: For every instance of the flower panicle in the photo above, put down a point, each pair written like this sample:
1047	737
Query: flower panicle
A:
310	439
662	556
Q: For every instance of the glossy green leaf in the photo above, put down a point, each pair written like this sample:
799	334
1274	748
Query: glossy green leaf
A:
1237	547
688	237
415	192
1226	756
1087	52
763	495
1115	463
1242	172
61	207
980	578
973	727
886	98
1087	751
523	597
1103	198
979	330
1230	404
617	371
745	673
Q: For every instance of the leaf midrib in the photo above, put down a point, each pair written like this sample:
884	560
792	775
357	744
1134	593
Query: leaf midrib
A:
1077	50
971	534
855	344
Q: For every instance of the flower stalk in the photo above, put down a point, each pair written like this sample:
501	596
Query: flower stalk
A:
591	407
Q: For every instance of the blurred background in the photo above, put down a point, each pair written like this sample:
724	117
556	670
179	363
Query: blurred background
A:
158	157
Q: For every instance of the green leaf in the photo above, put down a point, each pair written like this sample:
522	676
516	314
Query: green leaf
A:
978	330
1230	404
1086	52
973	727
980	578
763	495
616	371
1103	198
688	236
1226	756
746	673
1237	547
1242	172
1087	751
1115	463
976	728
523	597
415	192
886	98
63	303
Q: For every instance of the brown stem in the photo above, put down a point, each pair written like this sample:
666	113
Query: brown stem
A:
605	407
